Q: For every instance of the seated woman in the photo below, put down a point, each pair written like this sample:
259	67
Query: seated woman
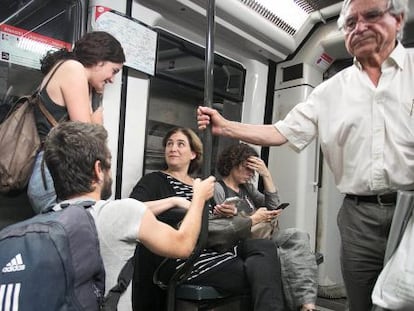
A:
237	165
248	267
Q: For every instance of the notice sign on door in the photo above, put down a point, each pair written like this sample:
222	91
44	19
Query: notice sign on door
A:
138	41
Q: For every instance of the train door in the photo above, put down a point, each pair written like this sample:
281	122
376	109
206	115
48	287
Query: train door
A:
27	30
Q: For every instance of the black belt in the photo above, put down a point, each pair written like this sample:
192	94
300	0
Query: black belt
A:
386	198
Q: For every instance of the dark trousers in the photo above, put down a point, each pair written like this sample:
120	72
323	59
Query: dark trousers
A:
255	270
145	294
364	229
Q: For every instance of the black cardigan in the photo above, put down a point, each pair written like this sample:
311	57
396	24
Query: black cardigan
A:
145	294
155	186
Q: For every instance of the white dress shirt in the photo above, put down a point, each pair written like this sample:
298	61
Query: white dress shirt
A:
366	132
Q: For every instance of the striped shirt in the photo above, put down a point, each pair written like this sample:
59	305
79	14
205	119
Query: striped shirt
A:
209	259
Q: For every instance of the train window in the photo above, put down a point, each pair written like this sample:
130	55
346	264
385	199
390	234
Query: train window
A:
183	62
28	29
178	87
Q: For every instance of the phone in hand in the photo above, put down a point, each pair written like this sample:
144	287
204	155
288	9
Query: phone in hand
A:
282	206
231	200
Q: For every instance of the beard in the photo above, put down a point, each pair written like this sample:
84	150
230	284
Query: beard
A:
106	190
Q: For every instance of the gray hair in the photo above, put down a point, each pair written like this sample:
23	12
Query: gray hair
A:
396	7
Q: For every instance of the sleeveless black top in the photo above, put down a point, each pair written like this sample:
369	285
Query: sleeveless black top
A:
58	112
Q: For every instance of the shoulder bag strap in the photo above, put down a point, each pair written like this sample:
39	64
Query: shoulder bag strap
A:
223	184
226	191
41	106
51	76
125	276
46	113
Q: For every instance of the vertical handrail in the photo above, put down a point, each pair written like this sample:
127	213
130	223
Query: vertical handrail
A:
180	275
209	84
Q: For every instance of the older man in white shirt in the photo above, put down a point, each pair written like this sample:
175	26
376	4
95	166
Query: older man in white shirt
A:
364	119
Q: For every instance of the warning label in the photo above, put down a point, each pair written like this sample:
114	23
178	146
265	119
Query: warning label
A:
21	47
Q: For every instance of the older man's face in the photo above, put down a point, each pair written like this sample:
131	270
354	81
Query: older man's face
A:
370	29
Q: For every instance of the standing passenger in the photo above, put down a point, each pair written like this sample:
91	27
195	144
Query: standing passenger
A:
93	63
363	117
80	164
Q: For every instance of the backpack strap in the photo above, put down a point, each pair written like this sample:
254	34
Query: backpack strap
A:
125	276
40	104
46	114
85	204
50	77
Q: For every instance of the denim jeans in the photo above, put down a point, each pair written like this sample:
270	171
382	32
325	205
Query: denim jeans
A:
41	193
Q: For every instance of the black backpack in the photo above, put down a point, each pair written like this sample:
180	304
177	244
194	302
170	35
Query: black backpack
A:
52	262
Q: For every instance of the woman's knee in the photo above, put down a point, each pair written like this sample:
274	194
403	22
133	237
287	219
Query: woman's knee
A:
259	246
292	236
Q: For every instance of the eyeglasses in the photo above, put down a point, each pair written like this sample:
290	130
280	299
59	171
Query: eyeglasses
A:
368	17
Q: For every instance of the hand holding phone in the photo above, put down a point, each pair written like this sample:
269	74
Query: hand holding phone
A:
231	200
282	206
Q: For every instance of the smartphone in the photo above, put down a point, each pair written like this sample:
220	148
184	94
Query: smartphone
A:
282	206
231	200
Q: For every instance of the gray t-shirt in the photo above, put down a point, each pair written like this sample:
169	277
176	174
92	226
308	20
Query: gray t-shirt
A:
118	223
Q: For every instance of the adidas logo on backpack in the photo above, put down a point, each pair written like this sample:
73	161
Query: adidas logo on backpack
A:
52	262
16	264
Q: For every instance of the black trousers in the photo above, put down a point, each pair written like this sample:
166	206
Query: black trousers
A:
145	294
364	229
256	271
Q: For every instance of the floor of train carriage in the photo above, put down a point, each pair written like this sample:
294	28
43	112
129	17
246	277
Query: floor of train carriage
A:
325	304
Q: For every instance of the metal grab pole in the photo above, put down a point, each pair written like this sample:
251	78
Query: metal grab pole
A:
209	84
